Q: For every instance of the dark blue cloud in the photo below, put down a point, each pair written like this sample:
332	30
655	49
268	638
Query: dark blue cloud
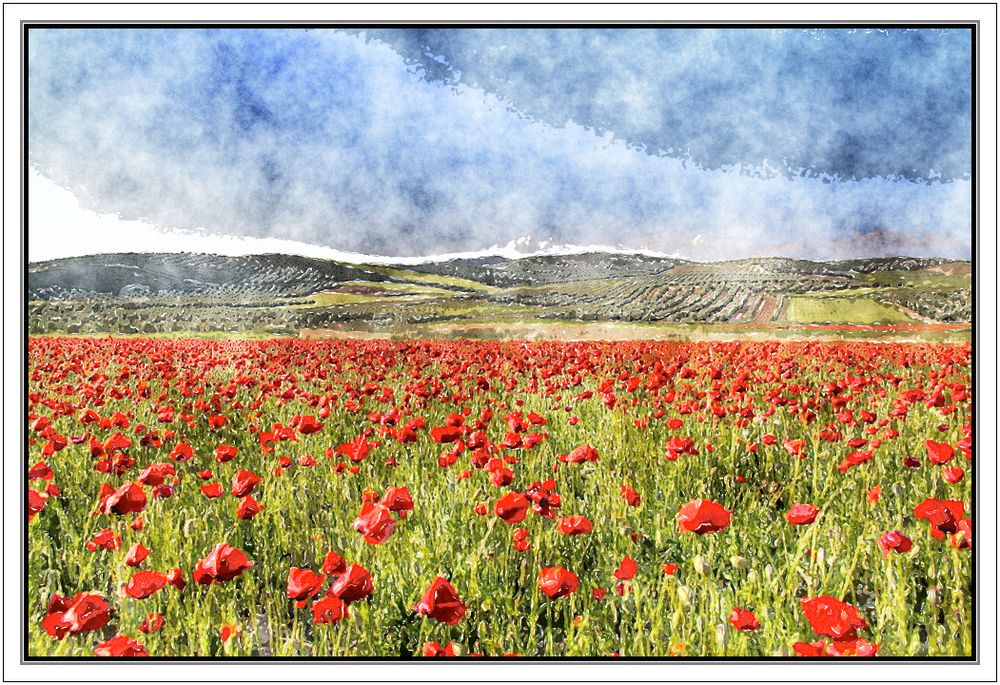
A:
348	140
845	102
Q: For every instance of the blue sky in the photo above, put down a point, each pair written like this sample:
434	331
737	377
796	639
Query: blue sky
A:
708	144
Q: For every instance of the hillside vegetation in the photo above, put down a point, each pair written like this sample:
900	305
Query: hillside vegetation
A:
282	294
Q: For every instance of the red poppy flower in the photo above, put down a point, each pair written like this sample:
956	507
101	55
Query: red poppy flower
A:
227	631
248	508
678	446
953	474
445	434
512	507
598	593
145	584
309	425
175	577
831	617
329	609
544	498
36	503
128	499
626	569
398	500
943	515
962	539
136	554
481	508
434	649
375	523
501	477
939	452
580	454
224	453
84	613
441	602
244	483
743	619
152	623
356	450
222	564
855	459
163	491
703	516
794	447
303	583
40	470
520	541
353	585
802	514
156	474
107	538
574	525
555	581
894	541
669	568
181	452
333	564
121	646
873	495
848	647
632	498
212	490
119	442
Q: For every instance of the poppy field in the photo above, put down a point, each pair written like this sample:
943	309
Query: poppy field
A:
219	498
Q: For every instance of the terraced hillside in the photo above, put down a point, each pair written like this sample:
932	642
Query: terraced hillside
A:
497	271
269	294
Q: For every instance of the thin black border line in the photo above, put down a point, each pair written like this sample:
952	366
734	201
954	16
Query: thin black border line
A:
974	504
25	172
974	27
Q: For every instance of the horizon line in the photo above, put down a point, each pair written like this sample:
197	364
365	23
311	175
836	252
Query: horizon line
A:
385	260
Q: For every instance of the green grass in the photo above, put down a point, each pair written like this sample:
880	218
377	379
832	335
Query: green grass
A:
926	279
852	292
402	274
855	310
389	297
404	288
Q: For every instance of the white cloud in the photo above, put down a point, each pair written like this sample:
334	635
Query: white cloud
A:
59	227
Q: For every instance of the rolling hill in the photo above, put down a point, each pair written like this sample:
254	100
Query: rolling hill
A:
268	294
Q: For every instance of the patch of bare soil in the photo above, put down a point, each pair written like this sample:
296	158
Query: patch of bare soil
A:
767	311
954	269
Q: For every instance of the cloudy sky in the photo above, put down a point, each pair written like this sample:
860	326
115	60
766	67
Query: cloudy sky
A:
707	144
